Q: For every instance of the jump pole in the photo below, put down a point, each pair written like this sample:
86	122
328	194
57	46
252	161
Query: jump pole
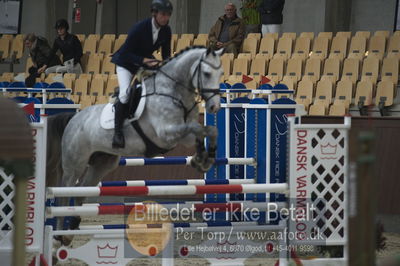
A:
88	210
53	192
182	160
176	182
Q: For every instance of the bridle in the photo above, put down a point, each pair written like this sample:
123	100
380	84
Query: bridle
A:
201	90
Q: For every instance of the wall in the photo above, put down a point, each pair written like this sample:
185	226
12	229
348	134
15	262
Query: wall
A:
127	15
88	17
299	16
304	16
337	15
372	15
34	15
39	16
193	14
109	20
185	17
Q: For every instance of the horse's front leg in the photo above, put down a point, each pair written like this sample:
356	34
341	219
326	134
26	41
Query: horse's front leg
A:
212	134
202	160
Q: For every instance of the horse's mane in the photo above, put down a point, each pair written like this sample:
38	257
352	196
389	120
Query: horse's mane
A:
154	70
182	52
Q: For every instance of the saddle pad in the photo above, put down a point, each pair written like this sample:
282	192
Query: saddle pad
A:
107	114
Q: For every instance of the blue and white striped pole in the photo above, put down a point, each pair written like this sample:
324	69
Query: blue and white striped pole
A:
182	161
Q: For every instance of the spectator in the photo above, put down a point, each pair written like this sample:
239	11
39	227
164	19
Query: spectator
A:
143	39
228	31
251	16
39	50
271	15
70	47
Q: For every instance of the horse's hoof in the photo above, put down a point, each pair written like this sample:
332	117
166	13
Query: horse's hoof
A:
74	222
66	240
205	167
54	260
195	161
57	242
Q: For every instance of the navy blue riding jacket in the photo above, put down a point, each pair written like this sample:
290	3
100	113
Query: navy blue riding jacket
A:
271	11
139	44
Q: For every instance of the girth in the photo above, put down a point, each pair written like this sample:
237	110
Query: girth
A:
151	148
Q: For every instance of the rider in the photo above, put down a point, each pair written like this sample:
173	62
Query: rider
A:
143	39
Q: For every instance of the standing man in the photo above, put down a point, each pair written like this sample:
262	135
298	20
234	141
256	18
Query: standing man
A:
271	15
143	39
39	50
70	47
228	31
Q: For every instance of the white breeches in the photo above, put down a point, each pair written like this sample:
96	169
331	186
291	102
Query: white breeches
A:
124	82
270	28
68	67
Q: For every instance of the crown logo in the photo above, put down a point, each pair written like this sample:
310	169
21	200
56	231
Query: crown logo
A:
107	251
328	149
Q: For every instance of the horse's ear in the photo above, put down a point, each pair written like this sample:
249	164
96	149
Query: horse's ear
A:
209	50
220	51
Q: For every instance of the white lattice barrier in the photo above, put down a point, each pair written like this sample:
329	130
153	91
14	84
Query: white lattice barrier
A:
319	177
6	210
35	200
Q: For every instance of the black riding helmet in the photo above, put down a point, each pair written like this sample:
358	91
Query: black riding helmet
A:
61	24
162	6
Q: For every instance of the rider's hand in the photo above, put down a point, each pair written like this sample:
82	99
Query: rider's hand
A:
151	62
42	69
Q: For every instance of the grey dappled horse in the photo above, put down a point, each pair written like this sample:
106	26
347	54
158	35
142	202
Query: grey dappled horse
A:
170	117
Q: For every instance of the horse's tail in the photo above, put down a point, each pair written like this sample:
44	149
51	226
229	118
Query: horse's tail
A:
56	125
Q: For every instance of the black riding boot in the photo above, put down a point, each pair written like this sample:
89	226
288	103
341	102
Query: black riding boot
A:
120	114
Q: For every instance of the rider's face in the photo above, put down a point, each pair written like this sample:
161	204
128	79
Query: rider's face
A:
61	31
162	18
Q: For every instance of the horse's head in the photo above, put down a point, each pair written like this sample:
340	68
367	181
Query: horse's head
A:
206	73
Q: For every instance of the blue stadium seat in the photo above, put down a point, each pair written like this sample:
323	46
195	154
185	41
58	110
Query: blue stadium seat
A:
57	85
59	100
40	85
17	84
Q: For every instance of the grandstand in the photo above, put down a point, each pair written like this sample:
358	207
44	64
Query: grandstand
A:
338	46
371	65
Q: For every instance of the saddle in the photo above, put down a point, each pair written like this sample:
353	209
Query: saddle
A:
136	107
143	73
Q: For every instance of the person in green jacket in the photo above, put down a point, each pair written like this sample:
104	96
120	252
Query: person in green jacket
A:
251	16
